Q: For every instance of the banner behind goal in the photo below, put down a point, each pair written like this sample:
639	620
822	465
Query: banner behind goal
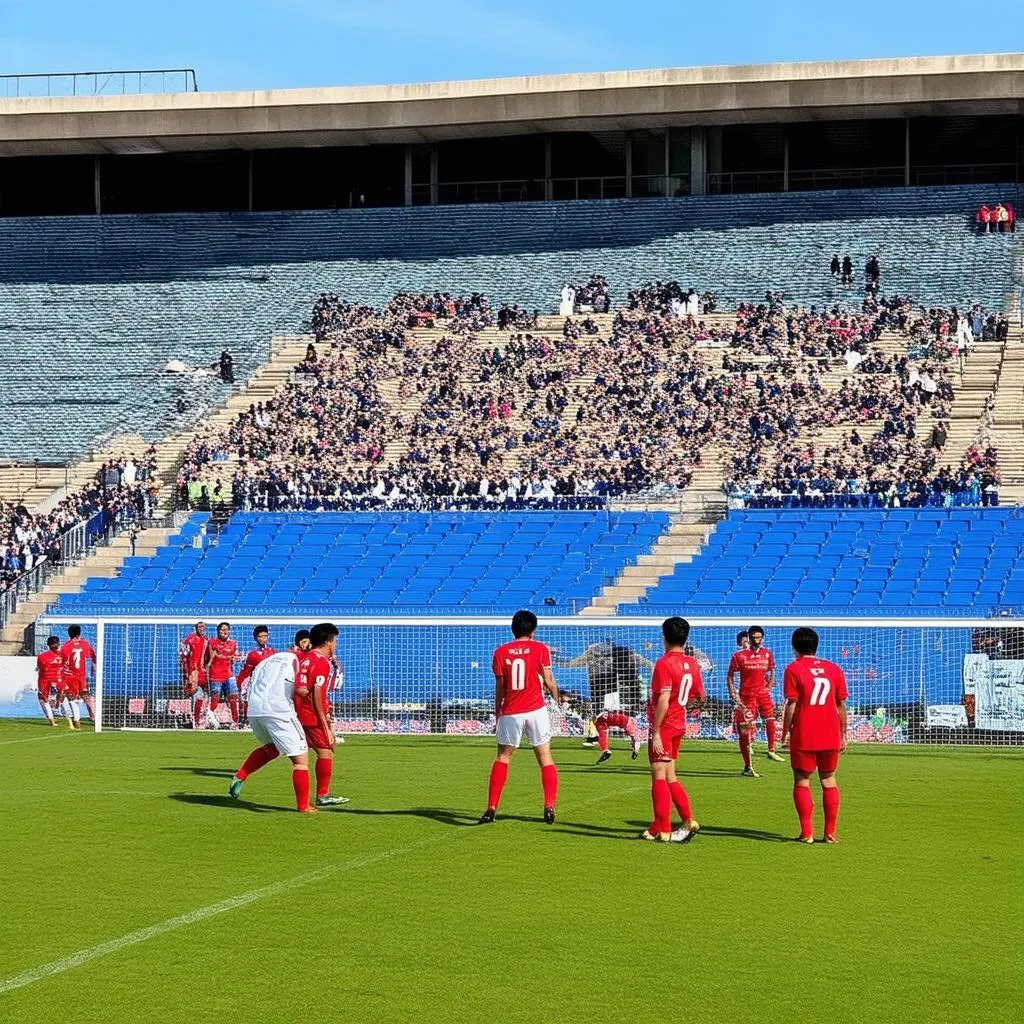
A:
943	681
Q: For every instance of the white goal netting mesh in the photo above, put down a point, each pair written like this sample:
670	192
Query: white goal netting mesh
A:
943	682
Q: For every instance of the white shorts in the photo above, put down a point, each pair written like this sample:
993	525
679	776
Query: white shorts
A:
284	733
536	725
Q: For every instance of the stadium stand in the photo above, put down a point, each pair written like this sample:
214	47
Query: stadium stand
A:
380	560
104	303
854	562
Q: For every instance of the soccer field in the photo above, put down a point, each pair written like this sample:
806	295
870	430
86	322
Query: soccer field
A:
135	890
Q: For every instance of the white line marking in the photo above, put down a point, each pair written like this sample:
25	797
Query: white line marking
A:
84	956
34	739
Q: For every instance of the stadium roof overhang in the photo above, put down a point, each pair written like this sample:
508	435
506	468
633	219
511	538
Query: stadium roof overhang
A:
409	114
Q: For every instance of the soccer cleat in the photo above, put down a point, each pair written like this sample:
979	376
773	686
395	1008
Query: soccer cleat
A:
606	755
590	741
831	839
339	739
331	801
307	810
235	789
679	835
487	817
656	837
549	815
805	839
749	773
772	756
635	745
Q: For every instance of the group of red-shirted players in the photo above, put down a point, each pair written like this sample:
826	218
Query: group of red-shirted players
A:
814	723
62	679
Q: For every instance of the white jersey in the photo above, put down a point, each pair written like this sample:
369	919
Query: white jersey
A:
272	686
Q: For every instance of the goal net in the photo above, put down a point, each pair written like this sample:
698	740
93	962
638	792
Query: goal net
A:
949	681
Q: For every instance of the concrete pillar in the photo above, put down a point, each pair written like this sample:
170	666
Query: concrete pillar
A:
698	162
407	187
251	171
906	151
548	191
97	191
629	164
433	175
785	162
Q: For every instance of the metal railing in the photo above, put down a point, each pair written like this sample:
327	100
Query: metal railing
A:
98	83
963	174
523	190
825	178
723	183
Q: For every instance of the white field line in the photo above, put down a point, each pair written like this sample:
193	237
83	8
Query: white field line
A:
84	956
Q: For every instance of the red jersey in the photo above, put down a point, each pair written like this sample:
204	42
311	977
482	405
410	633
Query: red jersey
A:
193	652
816	685
314	674
518	664
75	654
50	666
753	667
221	665
252	659
678	673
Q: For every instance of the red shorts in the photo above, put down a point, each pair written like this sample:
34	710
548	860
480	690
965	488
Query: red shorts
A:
825	761
670	740
760	703
74	688
317	738
43	690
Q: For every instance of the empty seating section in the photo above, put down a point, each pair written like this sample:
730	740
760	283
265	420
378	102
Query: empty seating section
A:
895	562
107	301
391	561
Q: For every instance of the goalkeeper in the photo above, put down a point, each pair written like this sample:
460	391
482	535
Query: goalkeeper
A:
612	669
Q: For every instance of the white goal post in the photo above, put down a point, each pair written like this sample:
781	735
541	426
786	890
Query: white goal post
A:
953	681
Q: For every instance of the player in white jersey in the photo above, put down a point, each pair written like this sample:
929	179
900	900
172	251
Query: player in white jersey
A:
271	698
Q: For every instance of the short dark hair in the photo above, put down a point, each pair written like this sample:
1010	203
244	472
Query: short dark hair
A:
755	629
53	641
219	624
676	631
523	623
303	634
259	629
742	635
321	633
74	632
805	640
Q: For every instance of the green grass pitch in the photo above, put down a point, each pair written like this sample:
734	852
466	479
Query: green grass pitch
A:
394	909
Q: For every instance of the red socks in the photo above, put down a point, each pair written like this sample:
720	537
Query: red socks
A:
496	783
661	798
830	798
769	728
745	746
804	803
601	725
681	801
613	720
233	704
300	783
324	767
549	780
256	760
214	700
197	713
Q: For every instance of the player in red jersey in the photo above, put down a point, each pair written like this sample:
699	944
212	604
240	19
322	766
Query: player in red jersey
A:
50	677
815	724
77	653
192	657
522	672
221	655
676	682
260	652
312	708
755	665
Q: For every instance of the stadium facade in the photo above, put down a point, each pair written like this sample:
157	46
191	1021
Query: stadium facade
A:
692	131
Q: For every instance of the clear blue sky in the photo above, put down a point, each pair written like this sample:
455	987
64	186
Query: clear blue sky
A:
288	43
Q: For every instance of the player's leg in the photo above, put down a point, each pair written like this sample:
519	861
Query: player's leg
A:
67	710
803	766
508	732
231	689
828	762
266	752
216	695
321	744
601	725
44	703
743	722
76	713
300	783
537	726
681	802
766	708
661	801
90	704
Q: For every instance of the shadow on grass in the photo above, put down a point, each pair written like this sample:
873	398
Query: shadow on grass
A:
642	769
207	773
224	801
745	833
455	819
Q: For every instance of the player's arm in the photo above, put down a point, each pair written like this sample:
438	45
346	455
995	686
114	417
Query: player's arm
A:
320	706
787	720
208	658
578	662
661	702
769	676
730	682
499	693
549	682
792	693
841	708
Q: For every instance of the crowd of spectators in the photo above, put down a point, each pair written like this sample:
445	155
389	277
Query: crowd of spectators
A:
122	491
383	416
669	297
592	297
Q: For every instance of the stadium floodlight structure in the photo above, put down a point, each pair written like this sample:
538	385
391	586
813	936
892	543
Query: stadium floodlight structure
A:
952	681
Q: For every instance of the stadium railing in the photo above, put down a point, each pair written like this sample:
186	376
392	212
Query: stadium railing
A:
921	680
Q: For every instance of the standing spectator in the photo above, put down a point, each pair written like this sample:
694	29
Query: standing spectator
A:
847	270
227	367
835	267
984	218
